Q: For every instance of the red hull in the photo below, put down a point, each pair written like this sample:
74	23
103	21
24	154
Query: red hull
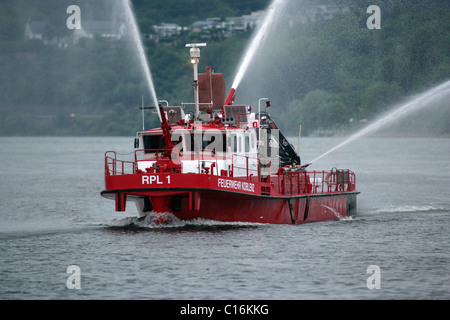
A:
203	196
227	208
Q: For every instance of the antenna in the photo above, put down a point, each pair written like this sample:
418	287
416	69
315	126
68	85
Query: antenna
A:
143	121
195	45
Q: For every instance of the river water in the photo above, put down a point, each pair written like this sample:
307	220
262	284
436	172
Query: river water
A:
52	216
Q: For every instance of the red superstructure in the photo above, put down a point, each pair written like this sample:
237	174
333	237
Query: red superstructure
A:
224	162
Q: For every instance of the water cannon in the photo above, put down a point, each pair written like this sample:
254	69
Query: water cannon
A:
303	167
230	98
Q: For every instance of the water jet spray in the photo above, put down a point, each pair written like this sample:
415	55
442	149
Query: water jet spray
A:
256	42
420	101
141	53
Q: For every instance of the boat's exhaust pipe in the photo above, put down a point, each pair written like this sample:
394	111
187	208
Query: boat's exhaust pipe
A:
230	98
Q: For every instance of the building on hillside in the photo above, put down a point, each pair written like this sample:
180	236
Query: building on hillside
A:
102	29
167	30
234	25
207	28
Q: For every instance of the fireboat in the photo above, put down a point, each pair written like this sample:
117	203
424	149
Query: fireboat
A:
224	162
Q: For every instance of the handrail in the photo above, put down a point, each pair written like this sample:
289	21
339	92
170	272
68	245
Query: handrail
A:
111	165
242	114
233	166
290	181
316	182
158	153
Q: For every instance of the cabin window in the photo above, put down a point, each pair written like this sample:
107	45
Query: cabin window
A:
247	143
152	142
209	142
192	147
253	140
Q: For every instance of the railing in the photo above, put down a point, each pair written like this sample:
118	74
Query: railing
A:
205	157
293	182
161	161
289	181
246	159
239	164
152	155
115	167
300	182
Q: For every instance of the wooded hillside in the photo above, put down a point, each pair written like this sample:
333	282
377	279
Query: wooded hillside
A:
328	73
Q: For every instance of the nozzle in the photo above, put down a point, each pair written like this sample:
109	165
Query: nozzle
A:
305	165
230	97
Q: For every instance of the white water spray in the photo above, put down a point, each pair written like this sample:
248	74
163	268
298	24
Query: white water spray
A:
256	42
140	47
416	103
